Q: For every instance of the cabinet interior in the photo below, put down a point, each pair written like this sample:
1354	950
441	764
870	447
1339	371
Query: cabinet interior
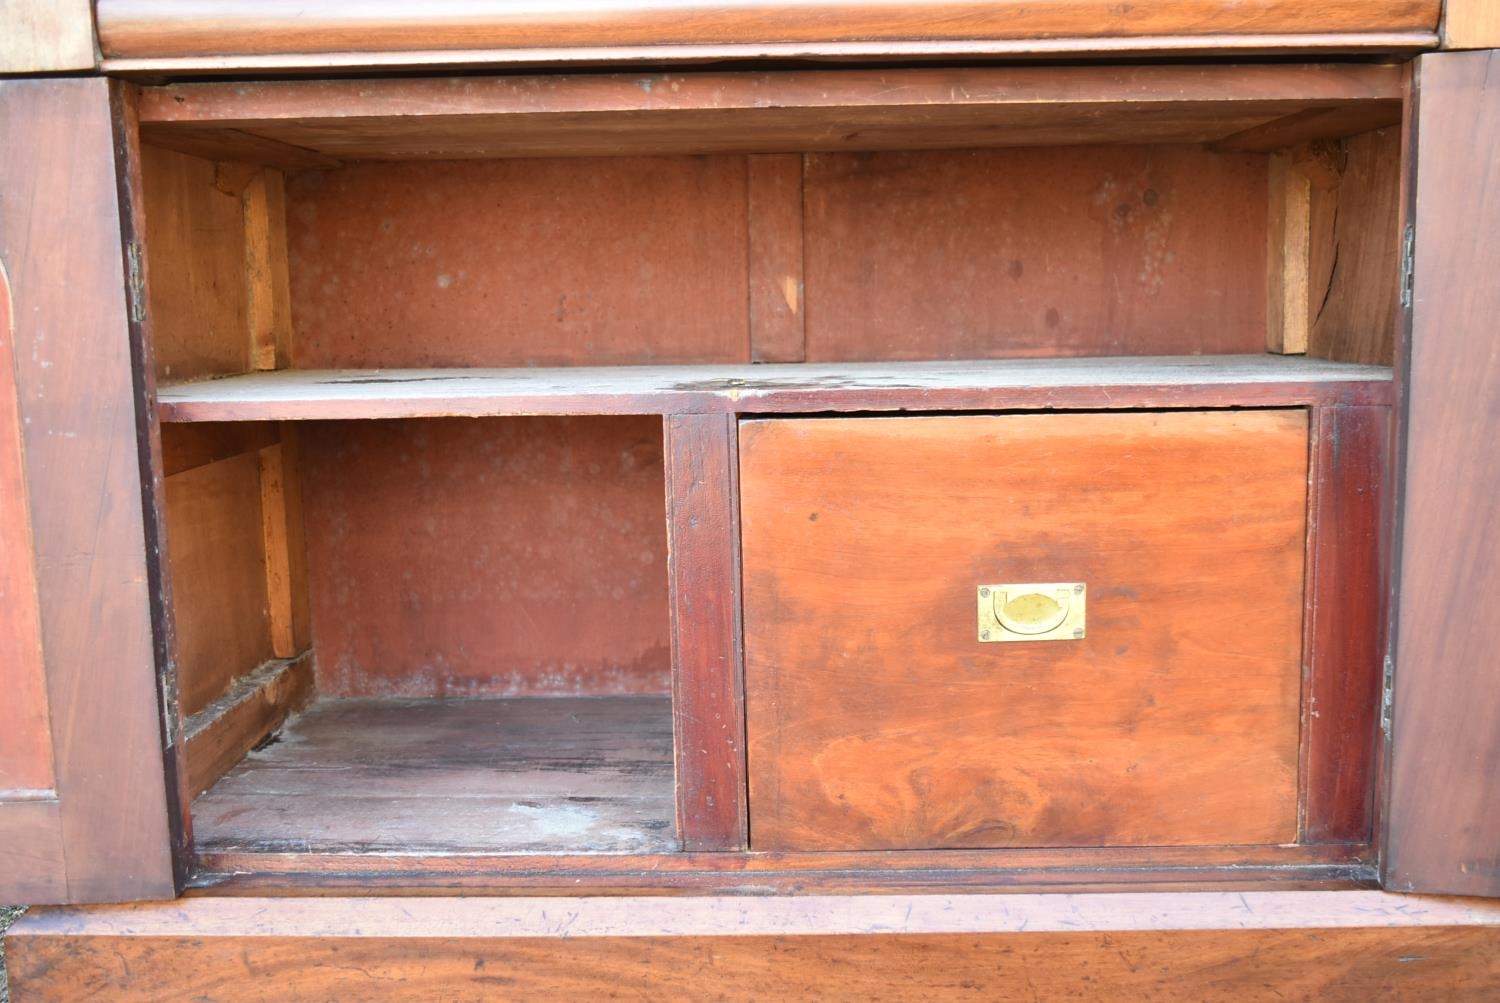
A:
431	629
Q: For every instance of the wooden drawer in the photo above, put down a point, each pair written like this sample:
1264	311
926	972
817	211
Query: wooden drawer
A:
877	718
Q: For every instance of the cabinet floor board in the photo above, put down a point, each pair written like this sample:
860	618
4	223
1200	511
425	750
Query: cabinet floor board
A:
522	775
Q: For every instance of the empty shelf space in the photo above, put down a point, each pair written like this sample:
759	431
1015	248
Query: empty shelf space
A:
1076	383
496	776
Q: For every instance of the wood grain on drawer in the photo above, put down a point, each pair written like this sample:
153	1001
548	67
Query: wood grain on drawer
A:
877	720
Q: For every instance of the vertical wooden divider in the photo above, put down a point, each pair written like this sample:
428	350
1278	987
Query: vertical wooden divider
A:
286	556
269	315
1288	236
708	700
776	293
1346	628
266	276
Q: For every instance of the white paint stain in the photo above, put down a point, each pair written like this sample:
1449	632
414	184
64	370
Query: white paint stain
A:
558	821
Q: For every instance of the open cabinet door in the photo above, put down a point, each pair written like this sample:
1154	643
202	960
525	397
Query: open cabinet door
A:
83	793
1442	830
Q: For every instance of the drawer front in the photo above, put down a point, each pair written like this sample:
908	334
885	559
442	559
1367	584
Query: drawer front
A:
877	717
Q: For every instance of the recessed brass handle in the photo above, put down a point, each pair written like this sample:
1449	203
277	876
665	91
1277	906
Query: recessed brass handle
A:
1038	611
1032	612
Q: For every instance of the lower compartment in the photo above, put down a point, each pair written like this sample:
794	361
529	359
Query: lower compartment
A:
450	776
1342	945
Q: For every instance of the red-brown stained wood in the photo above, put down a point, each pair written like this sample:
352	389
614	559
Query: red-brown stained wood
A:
148	31
878	719
220	735
285	546
184	447
1356	261
32	865
233	145
1288	233
1336	946
25	731
194	240
775	209
239	871
268	306
1347	613
494	557
901	93
216	558
296	122
520	263
708	698
1442	816
124	105
985	254
1315	123
78	406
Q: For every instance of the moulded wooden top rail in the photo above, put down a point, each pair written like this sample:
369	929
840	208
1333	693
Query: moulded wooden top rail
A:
229	35
1041	384
316	123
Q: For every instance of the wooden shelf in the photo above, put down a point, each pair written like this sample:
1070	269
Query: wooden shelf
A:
522	775
317	124
1032	384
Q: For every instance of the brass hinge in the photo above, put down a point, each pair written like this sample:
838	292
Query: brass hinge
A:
1387	696
136	281
1408	265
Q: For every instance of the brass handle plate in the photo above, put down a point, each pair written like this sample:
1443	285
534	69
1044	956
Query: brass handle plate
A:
1032	611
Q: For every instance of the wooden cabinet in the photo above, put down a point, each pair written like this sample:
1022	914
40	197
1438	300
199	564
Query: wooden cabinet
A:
600	484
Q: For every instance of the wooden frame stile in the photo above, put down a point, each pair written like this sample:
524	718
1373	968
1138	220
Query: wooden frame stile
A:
124	104
708	698
1346	616
82	412
1441	818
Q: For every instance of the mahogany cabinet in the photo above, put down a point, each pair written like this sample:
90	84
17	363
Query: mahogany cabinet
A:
944	523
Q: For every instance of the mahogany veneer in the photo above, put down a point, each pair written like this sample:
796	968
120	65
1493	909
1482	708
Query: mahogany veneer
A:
1342	946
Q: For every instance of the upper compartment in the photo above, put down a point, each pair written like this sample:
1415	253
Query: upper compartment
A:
842	221
230	35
